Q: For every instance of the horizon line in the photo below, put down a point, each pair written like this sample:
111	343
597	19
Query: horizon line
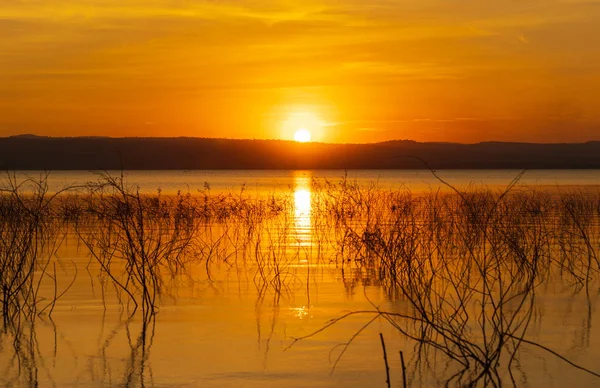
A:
35	136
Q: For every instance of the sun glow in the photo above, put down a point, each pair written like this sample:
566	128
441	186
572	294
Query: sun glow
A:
302	136
302	124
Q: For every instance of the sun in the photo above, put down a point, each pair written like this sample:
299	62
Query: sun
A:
302	125
302	136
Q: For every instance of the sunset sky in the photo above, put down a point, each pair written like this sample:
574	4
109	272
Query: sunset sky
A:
347	70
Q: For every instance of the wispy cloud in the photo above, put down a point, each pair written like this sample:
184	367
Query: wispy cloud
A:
392	60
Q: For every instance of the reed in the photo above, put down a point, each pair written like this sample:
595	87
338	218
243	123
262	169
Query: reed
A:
29	237
138	240
467	264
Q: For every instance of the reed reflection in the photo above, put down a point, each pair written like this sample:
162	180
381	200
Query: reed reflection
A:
302	208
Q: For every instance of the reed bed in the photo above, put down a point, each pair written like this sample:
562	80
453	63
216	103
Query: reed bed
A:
467	263
28	240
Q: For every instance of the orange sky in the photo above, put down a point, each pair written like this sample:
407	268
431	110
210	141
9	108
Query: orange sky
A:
350	71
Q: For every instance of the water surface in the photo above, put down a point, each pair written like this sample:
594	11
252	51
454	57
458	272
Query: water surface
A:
219	326
171	181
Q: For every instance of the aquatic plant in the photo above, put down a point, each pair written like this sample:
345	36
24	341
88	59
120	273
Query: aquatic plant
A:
137	239
466	264
28	240
463	268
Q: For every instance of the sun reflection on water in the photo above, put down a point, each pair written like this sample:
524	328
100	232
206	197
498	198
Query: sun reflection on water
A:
300	312
302	208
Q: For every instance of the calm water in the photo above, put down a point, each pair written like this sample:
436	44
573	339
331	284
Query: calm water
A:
223	332
273	180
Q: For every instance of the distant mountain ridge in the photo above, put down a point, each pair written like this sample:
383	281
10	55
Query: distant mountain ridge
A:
31	152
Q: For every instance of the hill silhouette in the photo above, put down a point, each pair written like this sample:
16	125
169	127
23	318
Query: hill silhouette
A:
102	153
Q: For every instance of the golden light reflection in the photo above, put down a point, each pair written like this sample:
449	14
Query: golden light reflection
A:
300	312
302	208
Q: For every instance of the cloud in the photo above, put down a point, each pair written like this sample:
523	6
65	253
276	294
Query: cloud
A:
384	59
523	39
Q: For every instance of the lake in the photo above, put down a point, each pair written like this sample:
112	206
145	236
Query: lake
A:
271	180
274	256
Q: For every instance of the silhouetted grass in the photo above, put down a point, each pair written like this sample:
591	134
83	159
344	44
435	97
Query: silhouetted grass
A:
467	263
29	237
